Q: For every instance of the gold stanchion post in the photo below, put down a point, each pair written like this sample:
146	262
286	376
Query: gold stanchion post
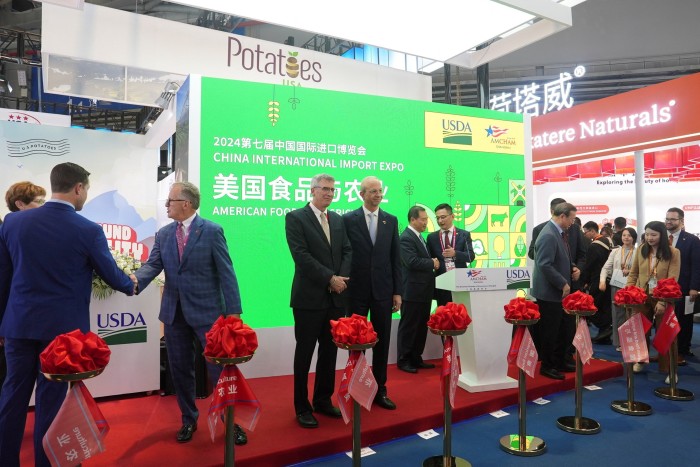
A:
630	406
521	444
579	424
447	459
673	392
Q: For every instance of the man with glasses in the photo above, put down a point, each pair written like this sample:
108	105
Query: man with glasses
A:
322	257
200	286
689	278
451	246
375	285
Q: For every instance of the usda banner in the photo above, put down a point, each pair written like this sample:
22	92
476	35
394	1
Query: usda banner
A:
261	144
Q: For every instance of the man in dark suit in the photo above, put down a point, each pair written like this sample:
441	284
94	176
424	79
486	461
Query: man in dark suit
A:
200	286
47	257
451	246
551	282
689	278
375	285
322	257
418	289
618	225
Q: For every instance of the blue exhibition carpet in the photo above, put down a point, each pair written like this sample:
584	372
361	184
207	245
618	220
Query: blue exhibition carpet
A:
666	437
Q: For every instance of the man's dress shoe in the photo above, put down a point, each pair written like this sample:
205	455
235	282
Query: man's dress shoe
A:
307	420
184	434
551	373
383	401
329	411
424	366
567	368
239	436
407	368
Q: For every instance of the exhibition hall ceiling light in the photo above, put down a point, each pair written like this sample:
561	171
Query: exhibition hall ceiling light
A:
448	32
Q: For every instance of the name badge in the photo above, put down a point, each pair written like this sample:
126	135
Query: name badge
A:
652	284
449	264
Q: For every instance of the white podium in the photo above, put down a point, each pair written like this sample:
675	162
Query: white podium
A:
484	347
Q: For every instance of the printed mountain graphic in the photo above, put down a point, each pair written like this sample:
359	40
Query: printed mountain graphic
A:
113	208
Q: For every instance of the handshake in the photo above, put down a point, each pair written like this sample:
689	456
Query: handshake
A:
136	283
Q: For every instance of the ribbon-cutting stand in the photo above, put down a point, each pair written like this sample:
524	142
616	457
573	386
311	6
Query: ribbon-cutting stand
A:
630	406
673	392
447	459
579	424
229	445
354	353
521	444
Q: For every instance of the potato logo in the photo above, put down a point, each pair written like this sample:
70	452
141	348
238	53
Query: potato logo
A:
292	65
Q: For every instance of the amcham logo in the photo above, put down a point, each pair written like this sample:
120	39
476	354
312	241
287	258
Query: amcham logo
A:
121	328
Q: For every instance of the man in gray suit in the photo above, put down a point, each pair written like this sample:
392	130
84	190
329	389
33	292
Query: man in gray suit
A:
200	286
551	282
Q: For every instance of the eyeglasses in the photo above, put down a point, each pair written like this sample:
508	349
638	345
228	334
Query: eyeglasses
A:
39	201
326	189
168	201
668	219
443	217
374	192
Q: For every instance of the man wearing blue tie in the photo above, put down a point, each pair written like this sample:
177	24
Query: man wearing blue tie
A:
375	278
47	258
200	286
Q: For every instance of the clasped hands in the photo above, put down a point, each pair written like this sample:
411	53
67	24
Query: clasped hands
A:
136	283
338	284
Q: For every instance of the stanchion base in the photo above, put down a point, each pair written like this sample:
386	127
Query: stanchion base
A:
534	446
581	426
439	461
633	408
666	392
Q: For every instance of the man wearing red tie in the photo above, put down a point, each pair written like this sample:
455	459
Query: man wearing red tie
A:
451	246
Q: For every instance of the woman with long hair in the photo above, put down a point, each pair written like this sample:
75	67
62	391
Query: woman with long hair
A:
617	268
655	260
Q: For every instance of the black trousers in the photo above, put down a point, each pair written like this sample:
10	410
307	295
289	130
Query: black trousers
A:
413	331
686	321
442	296
310	327
553	333
380	316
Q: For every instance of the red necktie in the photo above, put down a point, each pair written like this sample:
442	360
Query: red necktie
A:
670	240
447	239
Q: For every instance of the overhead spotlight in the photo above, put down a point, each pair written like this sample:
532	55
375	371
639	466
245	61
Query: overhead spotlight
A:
5	86
167	95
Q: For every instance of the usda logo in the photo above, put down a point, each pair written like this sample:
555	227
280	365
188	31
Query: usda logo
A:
121	328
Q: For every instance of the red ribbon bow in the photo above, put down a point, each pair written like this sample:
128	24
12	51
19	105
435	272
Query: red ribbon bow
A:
579	301
521	309
353	330
630	295
230	337
75	352
667	288
450	317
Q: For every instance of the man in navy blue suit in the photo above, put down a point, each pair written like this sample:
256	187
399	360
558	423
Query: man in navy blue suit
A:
375	279
200	286
451	246
47	257
689	278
